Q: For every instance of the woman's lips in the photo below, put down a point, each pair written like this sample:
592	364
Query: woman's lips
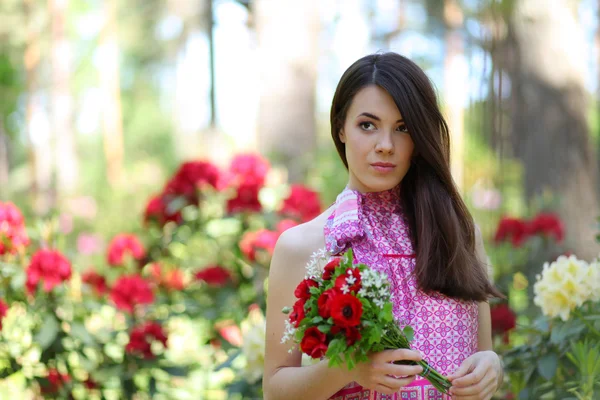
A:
383	167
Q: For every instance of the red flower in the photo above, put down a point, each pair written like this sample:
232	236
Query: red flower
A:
513	229
314	342
503	320
258	240
157	210
3	310
330	268
122	246
303	289
340	281
190	179
141	338
297	314
548	224
90	384
285	224
245	200
56	380
302	204
352	334
97	281
232	334
12	229
129	291
325	301
346	310
214	275
50	266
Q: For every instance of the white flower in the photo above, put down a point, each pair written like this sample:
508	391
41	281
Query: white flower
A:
289	332
316	263
565	284
345	289
253	347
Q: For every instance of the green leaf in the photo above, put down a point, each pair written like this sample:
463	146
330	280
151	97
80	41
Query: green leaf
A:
566	331
225	364
409	332
547	365
178	371
79	331
48	333
317	319
324	328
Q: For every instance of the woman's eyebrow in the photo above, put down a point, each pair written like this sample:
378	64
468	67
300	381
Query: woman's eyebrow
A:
376	118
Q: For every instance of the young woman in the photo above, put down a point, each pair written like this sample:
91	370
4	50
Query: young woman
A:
401	214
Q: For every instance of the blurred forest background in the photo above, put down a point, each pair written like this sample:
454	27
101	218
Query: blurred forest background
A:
102	100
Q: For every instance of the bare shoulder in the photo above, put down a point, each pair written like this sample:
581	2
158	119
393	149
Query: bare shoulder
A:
304	239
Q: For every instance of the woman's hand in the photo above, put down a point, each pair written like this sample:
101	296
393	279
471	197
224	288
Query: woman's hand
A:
380	374
477	378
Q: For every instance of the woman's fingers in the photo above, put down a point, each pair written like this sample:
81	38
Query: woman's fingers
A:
403	370
400	355
394	385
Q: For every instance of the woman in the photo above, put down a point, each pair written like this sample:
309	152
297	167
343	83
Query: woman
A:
401	214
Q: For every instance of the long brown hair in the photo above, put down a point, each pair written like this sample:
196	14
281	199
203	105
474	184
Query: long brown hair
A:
442	229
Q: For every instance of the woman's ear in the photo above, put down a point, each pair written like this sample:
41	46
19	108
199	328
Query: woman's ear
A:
342	136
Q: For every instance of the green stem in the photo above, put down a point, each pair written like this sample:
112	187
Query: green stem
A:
577	313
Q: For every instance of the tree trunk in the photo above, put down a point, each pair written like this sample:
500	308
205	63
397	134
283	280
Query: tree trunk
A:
454	87
112	121
288	51
62	101
38	133
550	133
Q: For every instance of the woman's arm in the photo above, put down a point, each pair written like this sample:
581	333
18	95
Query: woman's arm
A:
284	378
481	374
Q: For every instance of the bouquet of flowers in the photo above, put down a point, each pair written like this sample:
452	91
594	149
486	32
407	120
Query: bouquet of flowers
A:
344	313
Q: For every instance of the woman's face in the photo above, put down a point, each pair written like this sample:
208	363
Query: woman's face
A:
379	147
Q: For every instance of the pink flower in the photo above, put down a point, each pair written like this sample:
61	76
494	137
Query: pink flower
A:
259	240
247	174
124	245
89	243
12	229
48	266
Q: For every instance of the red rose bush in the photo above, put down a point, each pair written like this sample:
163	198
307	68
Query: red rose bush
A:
344	313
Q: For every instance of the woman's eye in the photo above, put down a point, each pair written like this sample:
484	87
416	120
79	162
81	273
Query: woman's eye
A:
402	128
367	126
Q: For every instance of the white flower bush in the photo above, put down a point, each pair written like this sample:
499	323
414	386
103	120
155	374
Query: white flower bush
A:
565	284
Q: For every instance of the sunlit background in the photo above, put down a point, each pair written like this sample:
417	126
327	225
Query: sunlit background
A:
101	101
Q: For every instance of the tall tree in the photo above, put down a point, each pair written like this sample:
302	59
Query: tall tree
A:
549	130
288	33
66	163
112	124
38	132
454	86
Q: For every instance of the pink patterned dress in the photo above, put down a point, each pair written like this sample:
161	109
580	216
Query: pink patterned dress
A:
445	329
